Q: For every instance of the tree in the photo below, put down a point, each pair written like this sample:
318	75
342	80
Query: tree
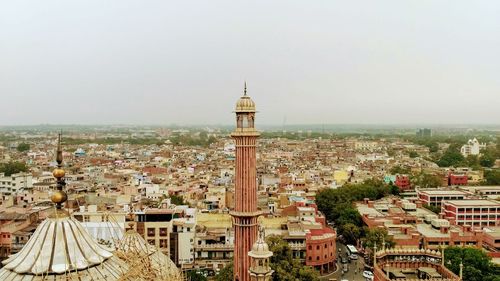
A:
177	200
432	208
399	170
492	177
378	236
226	273
350	232
394	189
451	157
488	158
285	267
192	275
477	264
413	154
13	167
473	161
23	147
426	180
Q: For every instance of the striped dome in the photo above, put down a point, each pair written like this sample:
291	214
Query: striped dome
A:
245	104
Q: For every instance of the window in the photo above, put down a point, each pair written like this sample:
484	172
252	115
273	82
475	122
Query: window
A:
317	258
163	231
151	231
317	247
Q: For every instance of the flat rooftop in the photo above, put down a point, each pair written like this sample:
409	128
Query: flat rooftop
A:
444	192
474	202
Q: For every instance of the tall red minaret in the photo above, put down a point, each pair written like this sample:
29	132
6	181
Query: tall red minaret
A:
245	212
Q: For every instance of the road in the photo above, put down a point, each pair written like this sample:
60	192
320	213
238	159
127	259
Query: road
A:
355	268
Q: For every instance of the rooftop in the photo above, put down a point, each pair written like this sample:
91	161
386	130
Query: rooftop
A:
474	202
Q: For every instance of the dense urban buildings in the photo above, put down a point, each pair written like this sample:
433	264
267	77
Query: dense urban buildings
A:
178	190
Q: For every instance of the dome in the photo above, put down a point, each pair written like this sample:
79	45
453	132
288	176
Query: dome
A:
260	249
61	247
245	103
145	261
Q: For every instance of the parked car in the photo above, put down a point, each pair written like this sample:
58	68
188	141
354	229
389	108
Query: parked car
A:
353	257
344	260
368	275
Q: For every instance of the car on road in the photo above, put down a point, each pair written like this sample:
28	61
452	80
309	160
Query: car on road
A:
353	257
368	275
344	260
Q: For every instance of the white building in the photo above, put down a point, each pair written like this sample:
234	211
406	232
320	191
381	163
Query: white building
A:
473	147
14	183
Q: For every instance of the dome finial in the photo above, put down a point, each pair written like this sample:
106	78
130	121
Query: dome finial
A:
245	90
59	157
59	196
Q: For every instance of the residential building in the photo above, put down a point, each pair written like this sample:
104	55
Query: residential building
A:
473	147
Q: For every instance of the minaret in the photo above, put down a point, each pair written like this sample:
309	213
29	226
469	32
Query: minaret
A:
260	270
245	212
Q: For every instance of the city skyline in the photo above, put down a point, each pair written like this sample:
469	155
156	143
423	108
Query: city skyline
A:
323	63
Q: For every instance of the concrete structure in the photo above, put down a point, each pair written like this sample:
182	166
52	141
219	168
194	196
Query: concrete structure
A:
14	183
245	212
473	147
411	265
477	213
433	197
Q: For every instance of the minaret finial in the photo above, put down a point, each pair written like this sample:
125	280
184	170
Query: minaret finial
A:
59	157
59	196
245	90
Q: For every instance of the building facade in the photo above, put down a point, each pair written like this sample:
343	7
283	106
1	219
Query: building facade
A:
476	213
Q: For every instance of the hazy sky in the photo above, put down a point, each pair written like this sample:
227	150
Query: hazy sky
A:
163	62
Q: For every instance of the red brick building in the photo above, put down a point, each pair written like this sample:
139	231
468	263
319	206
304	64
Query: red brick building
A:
457	179
321	249
475	212
403	182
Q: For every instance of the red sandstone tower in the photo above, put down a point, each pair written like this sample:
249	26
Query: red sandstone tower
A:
245	212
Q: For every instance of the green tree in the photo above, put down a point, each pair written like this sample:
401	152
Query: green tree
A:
400	170
13	167
226	273
177	200
432	208
473	161
492	177
285	267
426	180
488	157
378	236
477	264
394	189
413	154
23	147
451	157
350	232
192	275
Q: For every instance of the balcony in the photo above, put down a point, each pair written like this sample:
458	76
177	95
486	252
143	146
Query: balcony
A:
215	247
297	246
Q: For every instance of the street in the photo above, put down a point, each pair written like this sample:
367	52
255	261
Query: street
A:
352	274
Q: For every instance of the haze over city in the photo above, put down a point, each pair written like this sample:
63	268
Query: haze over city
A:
164	62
